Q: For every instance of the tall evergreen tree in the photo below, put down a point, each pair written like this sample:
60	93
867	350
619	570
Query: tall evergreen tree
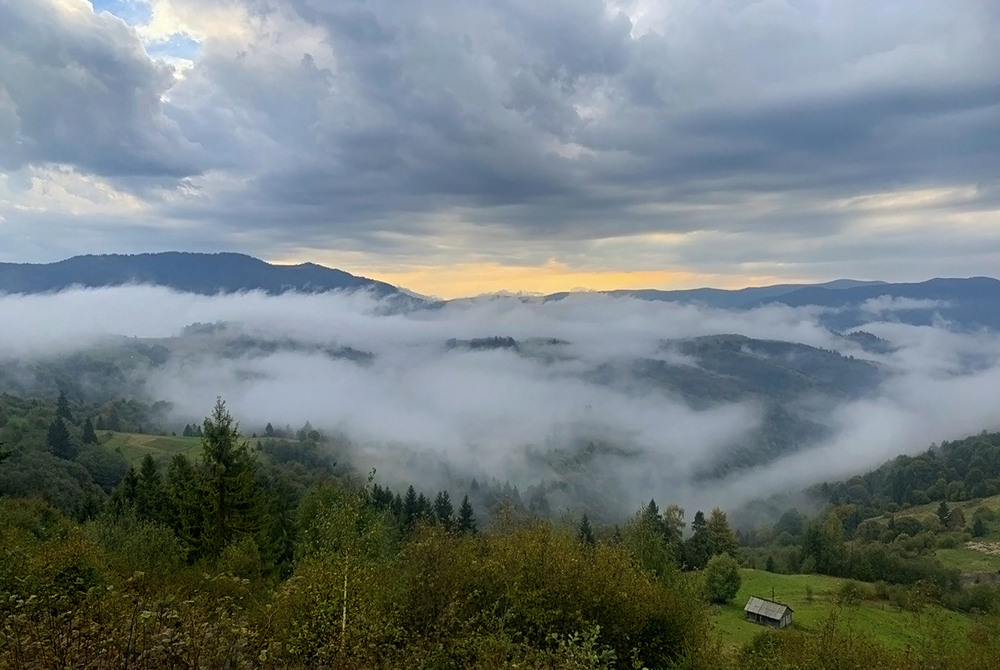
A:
59	441
944	514
443	510
88	436
466	517
697	548
410	507
585	533
62	408
151	496
185	502
721	539
228	477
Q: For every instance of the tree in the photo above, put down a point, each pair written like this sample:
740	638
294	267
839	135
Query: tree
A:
59	441
151	496
944	514
443	511
411	509
89	436
62	408
720	536
228	478
979	527
585	533
466	517
673	522
722	579
697	548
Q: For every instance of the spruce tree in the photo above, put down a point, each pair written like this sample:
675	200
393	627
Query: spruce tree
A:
943	513
697	548
585	533
720	535
59	441
89	436
62	408
443	510
228	478
410	507
466	517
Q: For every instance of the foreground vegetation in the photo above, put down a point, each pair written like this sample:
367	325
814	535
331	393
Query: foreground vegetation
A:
202	551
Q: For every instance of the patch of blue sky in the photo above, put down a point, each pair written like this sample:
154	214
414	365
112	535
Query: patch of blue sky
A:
132	12
178	45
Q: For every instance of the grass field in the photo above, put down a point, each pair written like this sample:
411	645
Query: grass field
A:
134	446
879	619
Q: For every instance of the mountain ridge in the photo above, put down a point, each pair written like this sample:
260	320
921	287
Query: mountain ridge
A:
201	273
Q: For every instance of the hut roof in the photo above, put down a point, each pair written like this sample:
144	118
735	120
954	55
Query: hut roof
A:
766	608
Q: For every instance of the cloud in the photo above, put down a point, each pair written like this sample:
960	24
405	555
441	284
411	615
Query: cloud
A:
421	411
77	89
521	133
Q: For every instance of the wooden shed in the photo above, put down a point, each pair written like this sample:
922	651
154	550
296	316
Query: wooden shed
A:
767	612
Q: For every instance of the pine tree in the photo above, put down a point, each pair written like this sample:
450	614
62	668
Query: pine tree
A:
424	510
585	533
89	436
410	507
443	511
720	535
466	517
697	548
943	513
228	477
100	422
59	441
185	504
62	408
151	496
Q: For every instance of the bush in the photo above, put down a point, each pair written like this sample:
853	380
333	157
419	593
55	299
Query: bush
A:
722	579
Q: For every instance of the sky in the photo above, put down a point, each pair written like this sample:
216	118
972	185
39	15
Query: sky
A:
518	145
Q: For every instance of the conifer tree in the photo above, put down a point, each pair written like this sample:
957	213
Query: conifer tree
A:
943	513
59	441
466	517
697	548
720	535
410	507
585	533
443	510
88	436
62	408
228	477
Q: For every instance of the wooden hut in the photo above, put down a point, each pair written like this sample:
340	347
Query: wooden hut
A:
767	612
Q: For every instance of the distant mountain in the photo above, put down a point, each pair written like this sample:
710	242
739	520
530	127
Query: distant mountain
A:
205	274
965	303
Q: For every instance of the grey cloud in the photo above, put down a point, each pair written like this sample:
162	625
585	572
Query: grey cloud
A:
84	93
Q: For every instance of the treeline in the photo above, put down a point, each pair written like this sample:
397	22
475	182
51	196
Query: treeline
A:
954	471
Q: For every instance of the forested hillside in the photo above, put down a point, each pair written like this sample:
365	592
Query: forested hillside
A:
208	549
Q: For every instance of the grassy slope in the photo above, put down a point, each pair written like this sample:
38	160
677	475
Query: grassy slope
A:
880	620
134	446
964	558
